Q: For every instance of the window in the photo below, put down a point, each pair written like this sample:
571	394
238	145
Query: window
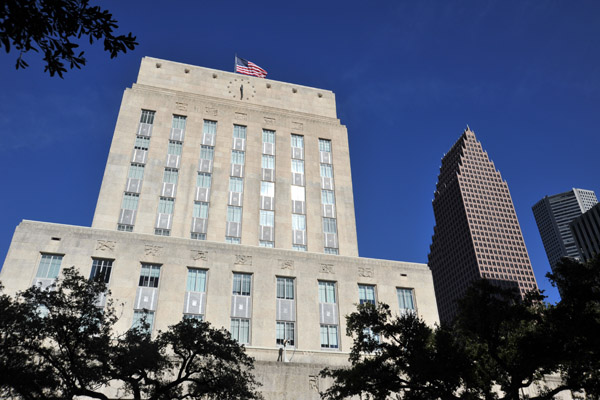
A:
240	330
285	332
198	236
130	201
232	240
203	180
267	189
239	131
298	193
136	171
234	214
329	339
366	294
285	288
326	292
297	166
147	117
267	218
264	243
149	275
405	299
207	152
298	222
162	232
125	228
142	143
198	317
139	316
325	145
268	136
210	127
236	184
268	161
298	141
327	197
178	122
101	269
49	266
326	171
298	247
165	205
200	209
331	250
237	157
329	225
170	175
196	280
174	148
241	284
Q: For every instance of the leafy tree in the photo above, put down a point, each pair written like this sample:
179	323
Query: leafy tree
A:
53	26
57	343
498	345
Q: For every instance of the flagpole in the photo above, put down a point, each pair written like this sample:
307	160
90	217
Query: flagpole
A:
234	62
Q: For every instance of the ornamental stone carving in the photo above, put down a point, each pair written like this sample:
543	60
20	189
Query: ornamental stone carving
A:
286	264
181	106
313	383
298	126
152	250
243	260
269	120
241	116
327	268
366	271
199	255
105	245
211	111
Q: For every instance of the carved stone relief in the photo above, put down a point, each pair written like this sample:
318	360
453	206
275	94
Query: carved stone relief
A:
241	116
269	121
199	255
181	106
243	260
313	383
366	271
298	126
327	268
211	111
105	245
153	250
286	264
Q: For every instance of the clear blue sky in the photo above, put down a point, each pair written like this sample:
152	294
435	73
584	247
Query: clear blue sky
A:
408	75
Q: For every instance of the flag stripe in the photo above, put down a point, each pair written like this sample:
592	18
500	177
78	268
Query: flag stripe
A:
249	68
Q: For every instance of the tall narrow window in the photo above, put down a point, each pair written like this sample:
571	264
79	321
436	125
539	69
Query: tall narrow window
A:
174	148
101	269
130	201
366	294
200	209
285	288
149	275
49	266
267	218
240	330
141	315
326	292
406	300
329	225
298	166
284	333
326	171
241	284
237	157
268	136
165	205
203	180
170	175
298	222
327	197
142	143
267	189
329	337
210	127
298	141
268	161
147	117
178	122
207	152
196	280
239	131
325	145
136	171
234	214
236	184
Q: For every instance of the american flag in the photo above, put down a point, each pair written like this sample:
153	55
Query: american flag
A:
248	68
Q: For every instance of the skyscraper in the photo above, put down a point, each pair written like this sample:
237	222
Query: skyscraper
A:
229	198
586	232
476	233
553	214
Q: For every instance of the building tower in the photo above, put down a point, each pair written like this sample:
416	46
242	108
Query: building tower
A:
586	232
207	170
476	234
553	214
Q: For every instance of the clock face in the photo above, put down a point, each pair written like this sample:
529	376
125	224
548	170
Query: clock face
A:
241	89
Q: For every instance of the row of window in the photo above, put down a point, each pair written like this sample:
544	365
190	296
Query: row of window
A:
196	282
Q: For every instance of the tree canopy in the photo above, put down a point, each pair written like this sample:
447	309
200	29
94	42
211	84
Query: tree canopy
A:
498	345
53	27
58	343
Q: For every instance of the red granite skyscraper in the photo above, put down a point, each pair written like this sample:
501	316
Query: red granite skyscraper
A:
477	234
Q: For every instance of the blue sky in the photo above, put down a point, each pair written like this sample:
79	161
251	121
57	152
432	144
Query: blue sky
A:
408	76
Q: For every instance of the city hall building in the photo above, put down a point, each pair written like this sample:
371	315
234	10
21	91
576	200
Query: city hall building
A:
229	198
